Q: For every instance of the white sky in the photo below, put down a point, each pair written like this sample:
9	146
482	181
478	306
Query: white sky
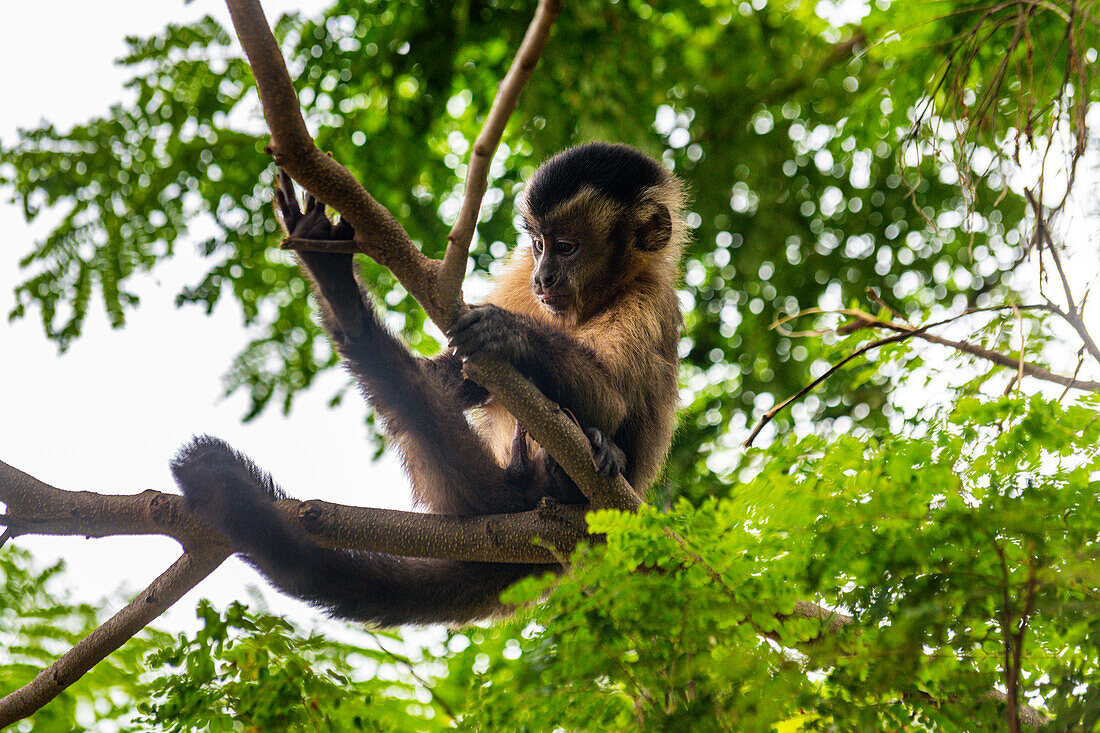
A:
109	414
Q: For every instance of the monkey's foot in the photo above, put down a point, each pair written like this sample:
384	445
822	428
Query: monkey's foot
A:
609	458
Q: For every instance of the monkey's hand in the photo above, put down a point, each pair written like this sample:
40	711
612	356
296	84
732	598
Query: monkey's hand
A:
609	457
332	271
488	329
311	224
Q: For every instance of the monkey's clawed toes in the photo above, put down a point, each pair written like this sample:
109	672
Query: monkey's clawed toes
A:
610	459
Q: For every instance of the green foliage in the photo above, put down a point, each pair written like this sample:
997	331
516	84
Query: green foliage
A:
954	551
37	624
967	549
259	672
239	671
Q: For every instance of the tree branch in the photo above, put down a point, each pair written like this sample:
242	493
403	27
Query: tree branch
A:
539	536
1072	313
182	576
377	232
904	331
33	507
477	171
379	235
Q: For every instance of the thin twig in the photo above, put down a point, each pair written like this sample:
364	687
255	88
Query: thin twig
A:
1018	381
447	709
770	414
477	171
904	331
1072	313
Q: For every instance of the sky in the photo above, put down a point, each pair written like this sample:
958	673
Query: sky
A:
107	415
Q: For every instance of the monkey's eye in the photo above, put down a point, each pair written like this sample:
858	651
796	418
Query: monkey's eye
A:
536	244
565	247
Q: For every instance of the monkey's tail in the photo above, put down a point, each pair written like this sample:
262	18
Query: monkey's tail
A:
237	497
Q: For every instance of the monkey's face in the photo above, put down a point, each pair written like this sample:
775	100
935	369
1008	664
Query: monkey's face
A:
553	264
571	251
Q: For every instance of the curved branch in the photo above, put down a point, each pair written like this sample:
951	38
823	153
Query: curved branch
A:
377	232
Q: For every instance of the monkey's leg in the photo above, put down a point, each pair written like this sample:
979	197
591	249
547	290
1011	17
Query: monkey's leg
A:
235	496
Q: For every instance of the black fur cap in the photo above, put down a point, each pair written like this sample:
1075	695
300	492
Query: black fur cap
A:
618	171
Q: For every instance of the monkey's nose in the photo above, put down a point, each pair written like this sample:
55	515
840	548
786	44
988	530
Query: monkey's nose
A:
546	280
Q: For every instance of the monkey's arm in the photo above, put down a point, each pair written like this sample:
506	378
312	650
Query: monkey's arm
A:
348	314
566	370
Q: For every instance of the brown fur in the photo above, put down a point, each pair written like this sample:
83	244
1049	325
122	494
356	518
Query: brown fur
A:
627	318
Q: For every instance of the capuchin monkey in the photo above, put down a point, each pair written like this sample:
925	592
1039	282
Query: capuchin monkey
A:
587	311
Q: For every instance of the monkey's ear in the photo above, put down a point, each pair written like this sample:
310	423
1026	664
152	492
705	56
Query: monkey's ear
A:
655	230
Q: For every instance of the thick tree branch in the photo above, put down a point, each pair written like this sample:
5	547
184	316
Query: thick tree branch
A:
555	431
35	507
539	536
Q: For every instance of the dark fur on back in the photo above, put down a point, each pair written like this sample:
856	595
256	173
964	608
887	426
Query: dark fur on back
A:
618	171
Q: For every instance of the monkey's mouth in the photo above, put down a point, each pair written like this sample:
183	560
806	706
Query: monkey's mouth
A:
553	302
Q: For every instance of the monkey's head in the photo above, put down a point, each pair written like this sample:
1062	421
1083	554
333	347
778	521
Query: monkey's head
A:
599	216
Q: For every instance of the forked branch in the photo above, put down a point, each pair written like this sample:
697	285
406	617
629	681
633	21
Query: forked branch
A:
33	507
434	284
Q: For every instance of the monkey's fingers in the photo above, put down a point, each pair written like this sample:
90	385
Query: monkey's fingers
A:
287	202
286	185
313	223
313	205
609	458
474	332
343	230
